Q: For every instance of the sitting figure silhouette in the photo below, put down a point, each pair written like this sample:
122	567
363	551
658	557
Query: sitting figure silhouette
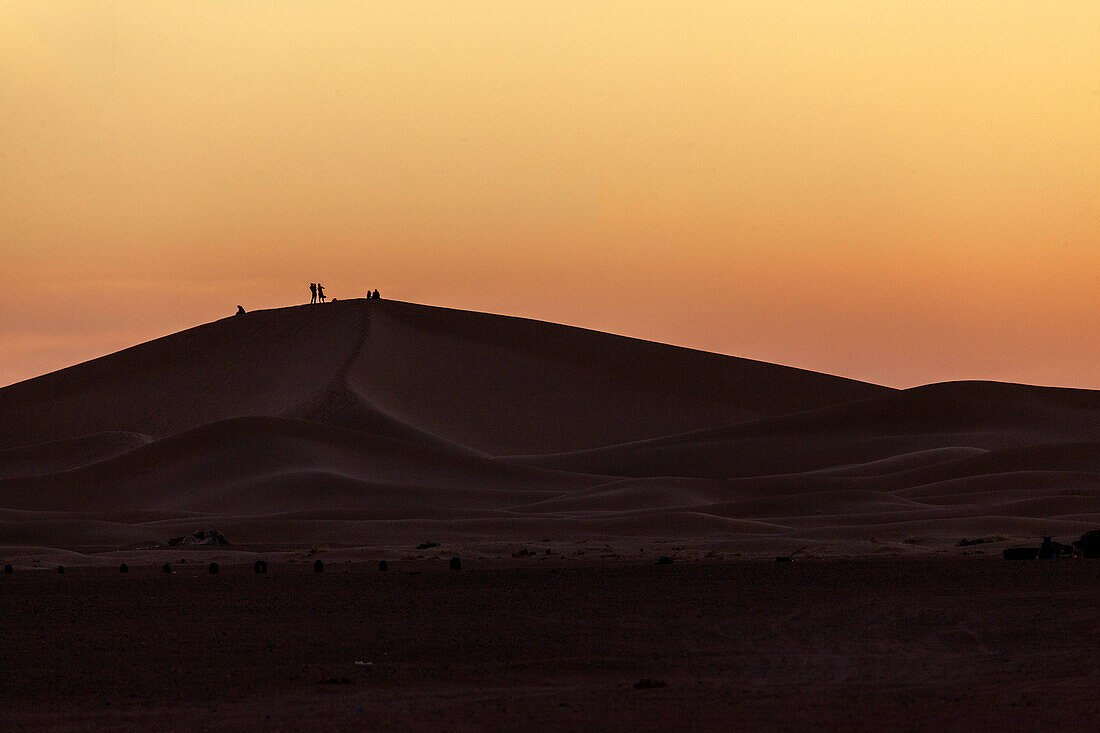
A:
376	296
320	293
240	311
313	292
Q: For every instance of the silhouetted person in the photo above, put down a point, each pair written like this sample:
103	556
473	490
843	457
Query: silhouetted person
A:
240	311
369	294
313	292
320	293
376	296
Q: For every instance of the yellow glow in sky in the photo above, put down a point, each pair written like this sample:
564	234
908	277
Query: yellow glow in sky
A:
902	192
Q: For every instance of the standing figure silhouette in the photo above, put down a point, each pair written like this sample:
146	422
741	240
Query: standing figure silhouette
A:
313	292
320	293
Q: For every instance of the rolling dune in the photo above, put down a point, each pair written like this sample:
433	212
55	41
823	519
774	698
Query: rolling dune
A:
379	423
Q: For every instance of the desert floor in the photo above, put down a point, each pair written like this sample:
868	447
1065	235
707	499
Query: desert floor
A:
514	644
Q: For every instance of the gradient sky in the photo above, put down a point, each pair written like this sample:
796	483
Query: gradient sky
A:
901	192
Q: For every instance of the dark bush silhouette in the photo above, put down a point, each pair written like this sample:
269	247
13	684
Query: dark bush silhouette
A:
427	545
8	570
1020	553
456	564
1089	544
60	569
213	568
318	566
123	568
664	560
167	568
383	565
260	567
783	558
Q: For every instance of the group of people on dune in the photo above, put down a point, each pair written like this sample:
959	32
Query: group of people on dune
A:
317	293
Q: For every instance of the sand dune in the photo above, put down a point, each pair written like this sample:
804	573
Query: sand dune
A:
67	453
279	465
372	423
961	416
511	386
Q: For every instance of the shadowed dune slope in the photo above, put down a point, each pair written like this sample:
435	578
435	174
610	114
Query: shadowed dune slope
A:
509	385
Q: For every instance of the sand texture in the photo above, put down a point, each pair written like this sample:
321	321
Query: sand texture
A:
383	424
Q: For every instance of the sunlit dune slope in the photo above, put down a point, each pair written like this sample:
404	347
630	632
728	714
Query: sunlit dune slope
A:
264	363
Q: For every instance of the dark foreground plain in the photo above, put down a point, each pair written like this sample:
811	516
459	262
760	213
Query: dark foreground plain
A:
871	644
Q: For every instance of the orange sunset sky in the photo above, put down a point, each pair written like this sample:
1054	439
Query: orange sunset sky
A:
901	192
